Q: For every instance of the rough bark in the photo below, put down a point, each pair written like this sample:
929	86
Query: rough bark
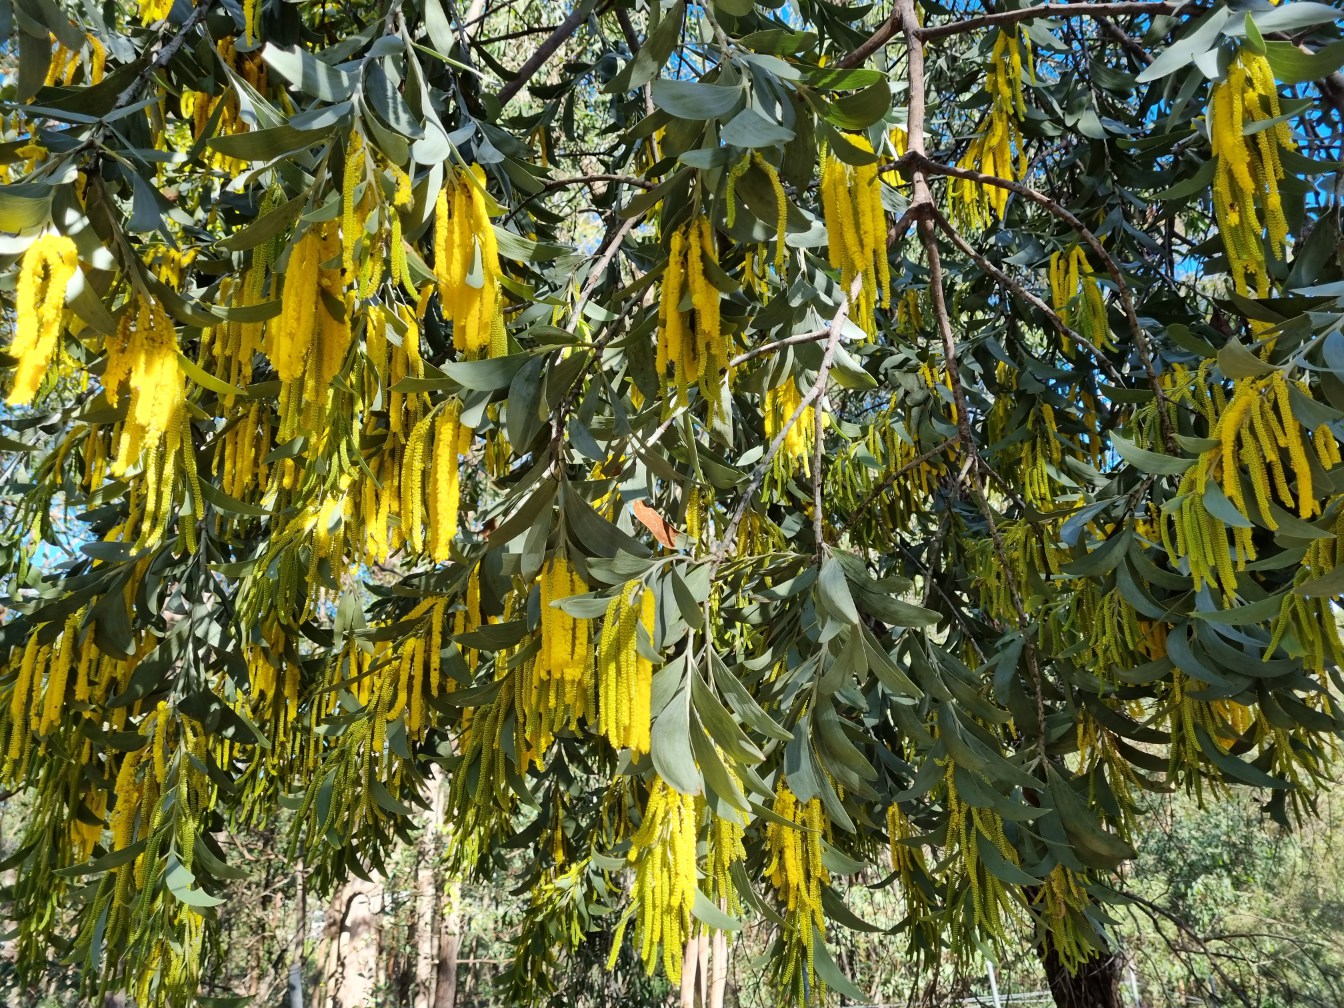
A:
351	969
1095	984
450	945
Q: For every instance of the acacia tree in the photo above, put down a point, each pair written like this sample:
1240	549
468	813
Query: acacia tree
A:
740	444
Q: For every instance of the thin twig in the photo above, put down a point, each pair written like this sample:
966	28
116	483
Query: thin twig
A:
923	163
819	415
891	478
779	344
763	467
1004	278
893	25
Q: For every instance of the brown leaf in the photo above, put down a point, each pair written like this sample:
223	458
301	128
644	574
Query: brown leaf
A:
663	530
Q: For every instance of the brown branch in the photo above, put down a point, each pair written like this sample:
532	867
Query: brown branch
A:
1051	315
819	415
893	24
1094	10
763	466
923	163
544	52
779	344
924	211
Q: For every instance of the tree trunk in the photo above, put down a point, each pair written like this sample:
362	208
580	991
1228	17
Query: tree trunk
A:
1096	984
718	976
450	945
352	945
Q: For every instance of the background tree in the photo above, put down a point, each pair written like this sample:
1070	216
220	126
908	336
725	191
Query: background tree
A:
736	445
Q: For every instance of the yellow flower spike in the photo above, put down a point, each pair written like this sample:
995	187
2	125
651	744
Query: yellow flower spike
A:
466	263
856	230
564	667
663	852
452	440
998	149
624	676
48	266
1248	169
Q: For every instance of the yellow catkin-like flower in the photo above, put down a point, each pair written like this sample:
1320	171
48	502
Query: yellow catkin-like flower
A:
251	10
781	210
997	149
48	266
1246	198
1076	297
144	355
856	232
795	454
796	871
291	340
566	656
663	853
692	349
624	675
466	263
452	439
153	11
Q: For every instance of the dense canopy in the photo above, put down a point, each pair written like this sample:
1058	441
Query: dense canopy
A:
741	446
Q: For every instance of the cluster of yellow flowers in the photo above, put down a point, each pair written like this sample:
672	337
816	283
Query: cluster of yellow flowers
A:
466	262
1311	619
154	11
795	454
162	796
156	433
49	264
65	63
624	674
663	853
692	349
998	149
566	641
1257	430
795	869
856	232
991	905
1246	179
218	115
781	210
1076	297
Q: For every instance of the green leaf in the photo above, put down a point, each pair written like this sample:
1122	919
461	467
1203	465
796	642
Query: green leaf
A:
488	375
833	592
861	110
24	206
1094	845
1292	65
751	129
1235	769
1147	461
653	54
309	74
267	144
695	101
1236	361
1290	17
670	741
830	973
711	916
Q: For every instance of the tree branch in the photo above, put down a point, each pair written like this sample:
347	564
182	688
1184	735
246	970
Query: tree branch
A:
544	52
1051	315
923	163
893	25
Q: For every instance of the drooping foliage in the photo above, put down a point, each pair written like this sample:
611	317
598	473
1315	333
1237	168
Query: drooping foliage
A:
742	445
